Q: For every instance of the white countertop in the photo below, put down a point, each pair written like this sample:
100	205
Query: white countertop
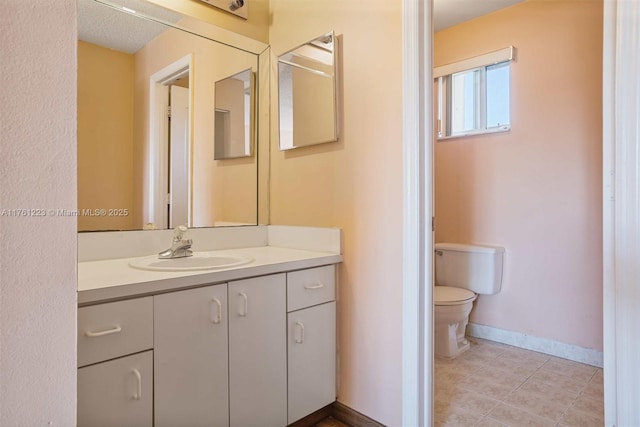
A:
100	281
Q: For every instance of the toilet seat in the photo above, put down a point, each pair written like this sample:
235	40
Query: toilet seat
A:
449	295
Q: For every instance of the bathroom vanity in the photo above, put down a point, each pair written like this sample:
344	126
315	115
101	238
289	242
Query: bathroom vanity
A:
242	346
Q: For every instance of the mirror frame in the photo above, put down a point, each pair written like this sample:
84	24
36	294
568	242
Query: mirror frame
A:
288	143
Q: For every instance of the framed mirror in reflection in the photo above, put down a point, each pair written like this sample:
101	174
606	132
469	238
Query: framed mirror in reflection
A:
307	95
234	112
146	96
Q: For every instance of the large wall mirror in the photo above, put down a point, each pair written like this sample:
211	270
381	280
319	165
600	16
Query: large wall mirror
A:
147	99
307	93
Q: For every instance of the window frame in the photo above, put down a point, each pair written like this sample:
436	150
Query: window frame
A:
444	91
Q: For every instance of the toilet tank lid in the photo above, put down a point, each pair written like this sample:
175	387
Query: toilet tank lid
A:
460	247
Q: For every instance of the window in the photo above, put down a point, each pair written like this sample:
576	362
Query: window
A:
473	95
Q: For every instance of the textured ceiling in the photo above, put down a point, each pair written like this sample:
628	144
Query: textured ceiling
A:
115	29
447	13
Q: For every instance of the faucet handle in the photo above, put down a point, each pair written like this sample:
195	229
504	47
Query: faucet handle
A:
179	232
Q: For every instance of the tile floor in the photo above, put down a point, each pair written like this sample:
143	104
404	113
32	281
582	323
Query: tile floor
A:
498	385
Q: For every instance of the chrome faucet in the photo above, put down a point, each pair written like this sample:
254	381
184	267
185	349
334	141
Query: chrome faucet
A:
180	247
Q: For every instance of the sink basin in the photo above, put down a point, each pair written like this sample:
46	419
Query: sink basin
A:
199	261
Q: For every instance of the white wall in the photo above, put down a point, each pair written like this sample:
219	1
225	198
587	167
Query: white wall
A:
38	254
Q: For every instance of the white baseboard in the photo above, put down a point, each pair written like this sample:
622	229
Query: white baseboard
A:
541	345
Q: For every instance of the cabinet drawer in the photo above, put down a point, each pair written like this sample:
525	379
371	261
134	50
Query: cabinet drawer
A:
310	287
107	331
117	393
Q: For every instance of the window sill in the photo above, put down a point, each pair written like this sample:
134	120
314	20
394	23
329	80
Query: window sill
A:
476	133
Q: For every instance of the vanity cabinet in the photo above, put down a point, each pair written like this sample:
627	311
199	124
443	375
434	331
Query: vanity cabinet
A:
250	352
258	352
191	357
311	345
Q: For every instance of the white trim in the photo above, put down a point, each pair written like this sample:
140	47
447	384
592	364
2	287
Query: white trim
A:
417	241
608	241
500	129
483	60
154	210
541	345
621	214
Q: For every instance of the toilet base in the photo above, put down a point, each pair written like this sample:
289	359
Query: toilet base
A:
452	342
450	328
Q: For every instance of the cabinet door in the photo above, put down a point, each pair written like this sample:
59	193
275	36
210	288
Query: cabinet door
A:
117	393
191	357
312	359
257	352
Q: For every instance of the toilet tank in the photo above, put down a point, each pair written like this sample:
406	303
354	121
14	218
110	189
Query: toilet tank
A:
474	267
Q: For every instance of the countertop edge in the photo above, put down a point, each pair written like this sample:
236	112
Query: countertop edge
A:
163	285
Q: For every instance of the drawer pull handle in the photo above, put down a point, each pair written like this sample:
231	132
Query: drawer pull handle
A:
113	330
138	394
217	316
312	287
245	305
300	340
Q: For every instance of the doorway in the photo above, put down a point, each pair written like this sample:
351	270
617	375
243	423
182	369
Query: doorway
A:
621	221
178	179
168	201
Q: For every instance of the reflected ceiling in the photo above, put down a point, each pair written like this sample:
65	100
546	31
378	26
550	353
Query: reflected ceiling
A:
105	26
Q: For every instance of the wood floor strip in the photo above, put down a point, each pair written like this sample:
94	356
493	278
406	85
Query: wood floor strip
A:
312	419
352	417
336	415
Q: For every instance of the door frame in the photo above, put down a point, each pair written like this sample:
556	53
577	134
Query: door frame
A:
157	161
178	144
417	232
621	211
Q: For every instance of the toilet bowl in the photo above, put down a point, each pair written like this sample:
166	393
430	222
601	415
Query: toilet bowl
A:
451	314
462	272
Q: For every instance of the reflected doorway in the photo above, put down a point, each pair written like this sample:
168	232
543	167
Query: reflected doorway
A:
168	202
178	179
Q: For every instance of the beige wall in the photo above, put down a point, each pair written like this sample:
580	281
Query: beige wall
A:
255	27
354	184
38	253
535	190
105	136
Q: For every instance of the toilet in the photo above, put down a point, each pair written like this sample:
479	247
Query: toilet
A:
462	272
